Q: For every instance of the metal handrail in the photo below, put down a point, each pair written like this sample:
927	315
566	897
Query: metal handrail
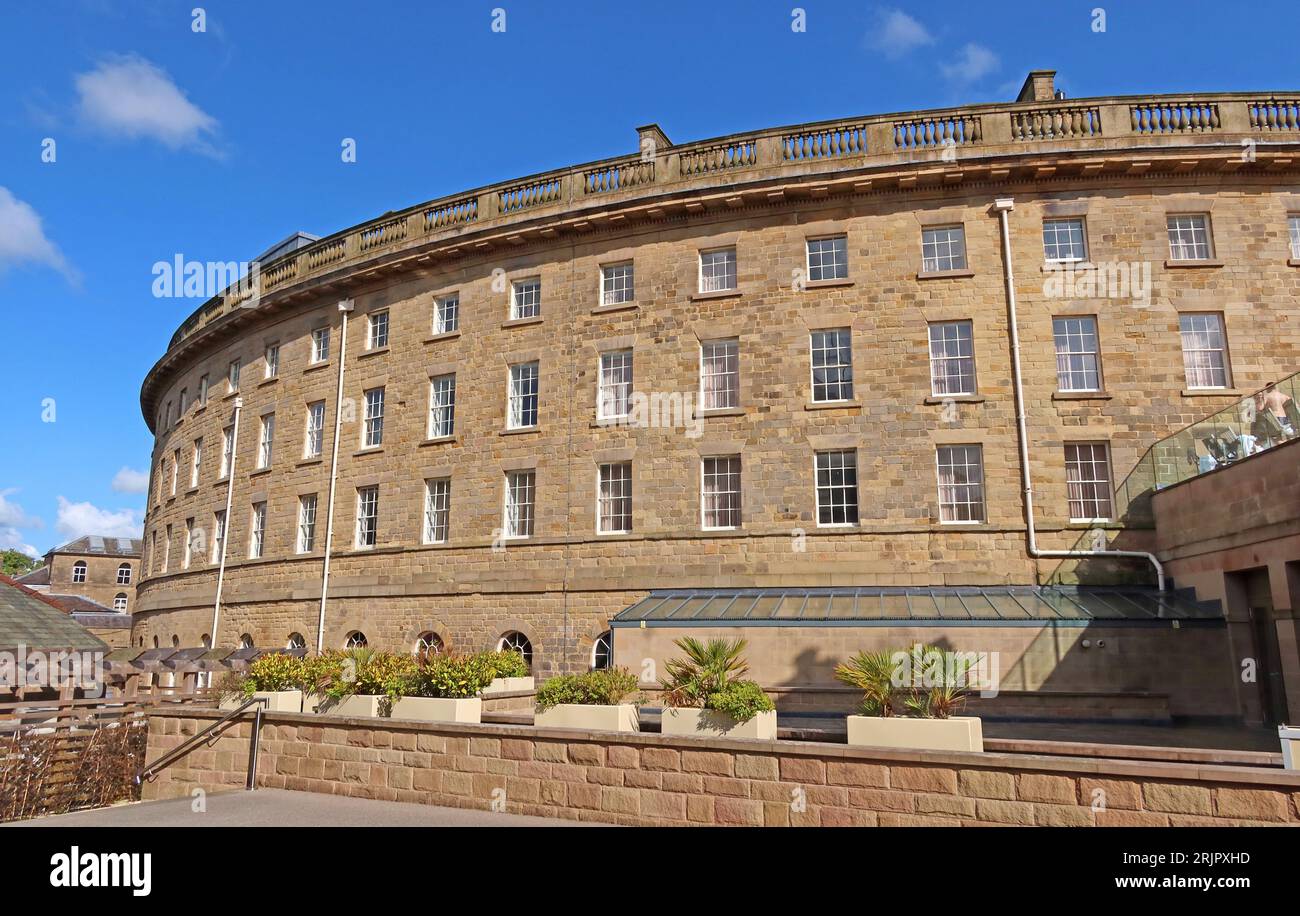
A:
210	735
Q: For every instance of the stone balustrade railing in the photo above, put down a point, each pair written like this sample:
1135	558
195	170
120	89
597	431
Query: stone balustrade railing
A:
861	143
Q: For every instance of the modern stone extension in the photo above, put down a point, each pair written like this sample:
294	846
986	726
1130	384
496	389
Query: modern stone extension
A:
1121	167
649	779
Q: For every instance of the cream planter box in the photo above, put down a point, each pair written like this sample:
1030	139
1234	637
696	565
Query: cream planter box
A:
709	723
621	718
1290	736
358	705
439	709
508	685
276	701
959	733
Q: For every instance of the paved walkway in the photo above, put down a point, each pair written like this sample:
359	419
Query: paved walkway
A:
281	808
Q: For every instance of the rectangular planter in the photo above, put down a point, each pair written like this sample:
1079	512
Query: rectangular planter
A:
624	717
1290	737
276	701
358	705
960	733
709	723
439	709
508	685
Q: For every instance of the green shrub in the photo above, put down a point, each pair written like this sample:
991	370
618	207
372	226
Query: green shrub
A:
274	671
742	700
365	672
450	676
603	687
506	663
925	681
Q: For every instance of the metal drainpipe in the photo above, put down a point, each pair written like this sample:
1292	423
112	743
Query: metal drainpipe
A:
345	307
225	534
1003	206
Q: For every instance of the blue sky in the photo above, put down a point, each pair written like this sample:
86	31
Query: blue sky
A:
215	144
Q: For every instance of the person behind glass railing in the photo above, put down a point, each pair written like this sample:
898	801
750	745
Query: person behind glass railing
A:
1281	407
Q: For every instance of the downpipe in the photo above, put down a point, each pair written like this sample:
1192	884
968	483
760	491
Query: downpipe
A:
1003	206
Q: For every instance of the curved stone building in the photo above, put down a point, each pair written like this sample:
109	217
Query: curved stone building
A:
774	359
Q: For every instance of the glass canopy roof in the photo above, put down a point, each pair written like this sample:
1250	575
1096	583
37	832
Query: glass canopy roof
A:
831	606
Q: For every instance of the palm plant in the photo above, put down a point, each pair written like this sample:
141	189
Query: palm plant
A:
707	669
873	674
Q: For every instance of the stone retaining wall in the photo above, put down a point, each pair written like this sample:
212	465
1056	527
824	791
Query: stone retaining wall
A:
645	779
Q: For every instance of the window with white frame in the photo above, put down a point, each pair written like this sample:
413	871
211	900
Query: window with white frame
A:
1293	225
320	345
187	554
227	450
372	429
446	314
720	491
1205	350
167	416
183	402
1078	363
296	641
719	374
717	270
961	483
153	555
257	531
367	516
1064	240
124	574
442	406
828	259
232	376
203	391
79	571
428	643
520	496
437	510
218	534
377	330
602	651
522	396
176	470
943	248
952	358
1087	481
272	362
614	394
832	365
266	441
616	284
614	498
167	549
306	523
355	640
526	298
161	478
837	488
120	602
1189	237
196	462
314	434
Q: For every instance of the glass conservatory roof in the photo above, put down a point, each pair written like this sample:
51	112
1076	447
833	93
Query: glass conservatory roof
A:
943	606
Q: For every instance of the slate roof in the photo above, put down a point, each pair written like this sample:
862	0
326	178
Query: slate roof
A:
28	618
96	545
35	577
91	613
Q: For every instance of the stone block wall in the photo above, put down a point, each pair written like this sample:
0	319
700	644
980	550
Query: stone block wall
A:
652	780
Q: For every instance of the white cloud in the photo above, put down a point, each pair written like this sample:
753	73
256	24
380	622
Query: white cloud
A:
13	515
78	519
971	62
130	481
897	33
128	96
23	240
